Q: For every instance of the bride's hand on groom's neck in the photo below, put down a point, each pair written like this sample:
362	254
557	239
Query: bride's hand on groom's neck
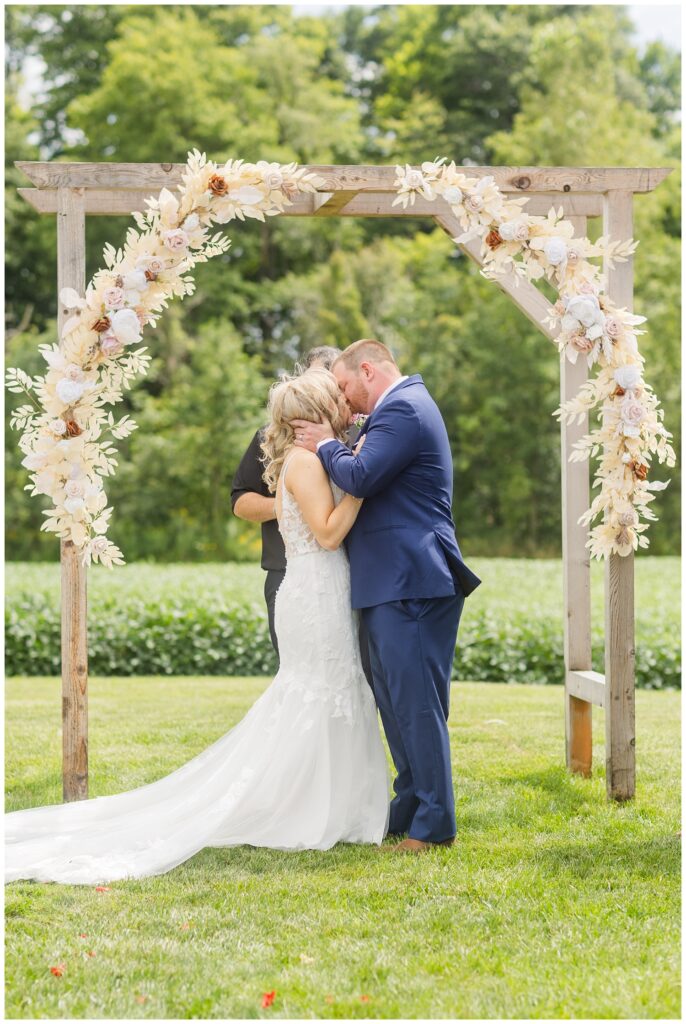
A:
308	434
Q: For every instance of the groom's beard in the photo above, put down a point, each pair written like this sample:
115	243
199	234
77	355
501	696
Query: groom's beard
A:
358	399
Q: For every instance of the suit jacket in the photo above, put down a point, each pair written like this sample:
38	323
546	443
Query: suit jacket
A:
403	543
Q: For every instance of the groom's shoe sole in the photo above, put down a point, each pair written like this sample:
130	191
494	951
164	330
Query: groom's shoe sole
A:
418	846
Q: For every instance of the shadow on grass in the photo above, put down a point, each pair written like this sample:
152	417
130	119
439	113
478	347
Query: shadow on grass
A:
616	858
524	799
255	861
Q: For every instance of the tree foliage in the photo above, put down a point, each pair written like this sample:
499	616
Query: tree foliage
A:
513	84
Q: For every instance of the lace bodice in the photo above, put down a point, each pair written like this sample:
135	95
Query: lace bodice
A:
298	539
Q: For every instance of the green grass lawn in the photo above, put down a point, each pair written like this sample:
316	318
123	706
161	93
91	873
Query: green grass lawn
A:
553	903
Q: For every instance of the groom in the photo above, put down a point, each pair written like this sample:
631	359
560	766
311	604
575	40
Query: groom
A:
407	575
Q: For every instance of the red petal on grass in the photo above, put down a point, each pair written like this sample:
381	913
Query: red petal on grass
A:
141	999
364	999
58	970
82	935
90	952
328	999
185	926
268	999
102	888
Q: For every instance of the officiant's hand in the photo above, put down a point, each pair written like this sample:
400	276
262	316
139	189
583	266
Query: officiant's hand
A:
308	435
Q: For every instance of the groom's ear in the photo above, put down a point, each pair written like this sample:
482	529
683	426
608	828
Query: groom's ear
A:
367	370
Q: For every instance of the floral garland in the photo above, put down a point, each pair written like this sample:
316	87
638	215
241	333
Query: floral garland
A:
67	432
531	247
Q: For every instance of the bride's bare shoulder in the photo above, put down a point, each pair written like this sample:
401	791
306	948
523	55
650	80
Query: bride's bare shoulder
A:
305	464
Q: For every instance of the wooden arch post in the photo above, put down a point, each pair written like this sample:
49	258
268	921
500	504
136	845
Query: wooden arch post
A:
73	190
71	273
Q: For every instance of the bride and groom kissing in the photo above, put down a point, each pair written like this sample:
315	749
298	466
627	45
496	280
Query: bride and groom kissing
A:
306	767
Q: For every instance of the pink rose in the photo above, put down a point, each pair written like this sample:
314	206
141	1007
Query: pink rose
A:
633	412
627	519
74	372
581	343
74	488
99	545
109	345
58	427
474	203
113	298
176	240
613	327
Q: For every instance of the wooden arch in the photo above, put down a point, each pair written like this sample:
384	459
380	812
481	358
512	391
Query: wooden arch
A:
75	190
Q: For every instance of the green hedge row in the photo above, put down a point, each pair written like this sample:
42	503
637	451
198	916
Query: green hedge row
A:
177	638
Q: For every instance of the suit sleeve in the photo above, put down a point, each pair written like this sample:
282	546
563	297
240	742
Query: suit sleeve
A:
392	442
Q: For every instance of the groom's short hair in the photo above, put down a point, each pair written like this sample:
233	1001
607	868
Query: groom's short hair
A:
367	350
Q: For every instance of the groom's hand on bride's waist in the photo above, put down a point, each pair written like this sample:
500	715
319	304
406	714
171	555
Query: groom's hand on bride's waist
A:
309	435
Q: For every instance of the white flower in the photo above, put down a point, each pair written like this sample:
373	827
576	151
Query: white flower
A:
414	179
191	222
453	195
595	331
273	180
516	230
176	240
99	545
69	391
555	250
585	309
135	281
246	195
628	377
73	505
125	326
58	426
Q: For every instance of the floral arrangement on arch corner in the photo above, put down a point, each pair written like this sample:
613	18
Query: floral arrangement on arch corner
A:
67	429
631	429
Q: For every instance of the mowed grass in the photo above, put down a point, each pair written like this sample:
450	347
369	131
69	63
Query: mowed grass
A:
554	903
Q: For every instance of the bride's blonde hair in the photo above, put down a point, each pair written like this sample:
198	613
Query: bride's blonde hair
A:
314	395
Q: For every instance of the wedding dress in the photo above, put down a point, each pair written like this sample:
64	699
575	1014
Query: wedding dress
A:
303	770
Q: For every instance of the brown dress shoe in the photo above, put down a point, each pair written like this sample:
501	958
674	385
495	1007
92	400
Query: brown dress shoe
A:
419	846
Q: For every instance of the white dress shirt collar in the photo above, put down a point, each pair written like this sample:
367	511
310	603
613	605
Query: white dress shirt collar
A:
388	390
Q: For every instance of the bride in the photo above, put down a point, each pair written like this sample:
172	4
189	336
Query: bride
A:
305	768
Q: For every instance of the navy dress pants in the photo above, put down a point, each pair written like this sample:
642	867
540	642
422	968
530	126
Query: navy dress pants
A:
411	647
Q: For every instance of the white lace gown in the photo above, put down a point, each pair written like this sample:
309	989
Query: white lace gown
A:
303	770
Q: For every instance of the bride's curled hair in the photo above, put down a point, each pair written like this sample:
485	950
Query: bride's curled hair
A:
313	395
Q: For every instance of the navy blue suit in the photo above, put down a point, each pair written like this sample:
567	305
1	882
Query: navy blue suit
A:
410	581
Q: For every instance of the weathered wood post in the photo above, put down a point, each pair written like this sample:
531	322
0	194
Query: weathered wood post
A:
620	725
576	570
71	273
